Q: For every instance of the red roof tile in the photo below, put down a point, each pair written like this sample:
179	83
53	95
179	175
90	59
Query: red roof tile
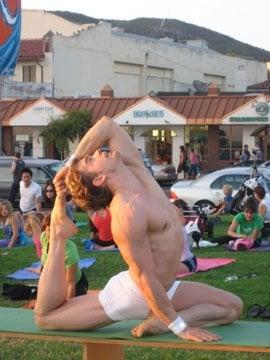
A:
32	49
197	109
265	85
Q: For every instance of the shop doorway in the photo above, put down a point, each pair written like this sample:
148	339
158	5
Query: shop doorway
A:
159	144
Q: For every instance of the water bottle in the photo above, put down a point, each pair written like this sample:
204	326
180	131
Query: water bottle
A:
231	278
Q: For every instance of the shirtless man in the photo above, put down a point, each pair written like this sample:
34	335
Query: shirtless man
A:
147	230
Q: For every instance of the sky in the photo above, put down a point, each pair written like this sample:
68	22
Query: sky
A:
244	20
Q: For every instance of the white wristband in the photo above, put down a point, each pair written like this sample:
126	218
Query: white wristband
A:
178	325
70	160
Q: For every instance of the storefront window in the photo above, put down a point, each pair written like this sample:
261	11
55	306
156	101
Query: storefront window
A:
230	142
23	140
197	137
158	143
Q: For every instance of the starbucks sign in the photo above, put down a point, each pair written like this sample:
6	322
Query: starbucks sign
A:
262	108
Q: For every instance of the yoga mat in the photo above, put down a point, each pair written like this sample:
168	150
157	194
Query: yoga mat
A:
24	274
88	245
240	333
265	247
208	264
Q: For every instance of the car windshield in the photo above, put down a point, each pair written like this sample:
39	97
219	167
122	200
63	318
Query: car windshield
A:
55	167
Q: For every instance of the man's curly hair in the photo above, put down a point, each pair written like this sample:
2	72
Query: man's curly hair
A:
85	194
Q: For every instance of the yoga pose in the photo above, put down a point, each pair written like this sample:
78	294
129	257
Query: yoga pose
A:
146	228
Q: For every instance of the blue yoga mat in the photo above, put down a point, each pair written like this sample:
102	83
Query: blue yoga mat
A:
24	274
88	245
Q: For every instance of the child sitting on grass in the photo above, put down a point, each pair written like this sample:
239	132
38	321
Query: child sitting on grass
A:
224	206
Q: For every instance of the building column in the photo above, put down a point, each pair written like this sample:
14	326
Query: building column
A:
247	139
176	142
138	139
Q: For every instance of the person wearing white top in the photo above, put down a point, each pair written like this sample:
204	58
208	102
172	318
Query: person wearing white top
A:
30	193
264	208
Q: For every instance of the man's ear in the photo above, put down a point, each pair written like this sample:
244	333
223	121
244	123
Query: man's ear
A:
99	180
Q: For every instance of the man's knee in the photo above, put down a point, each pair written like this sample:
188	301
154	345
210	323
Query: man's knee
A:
42	321
235	307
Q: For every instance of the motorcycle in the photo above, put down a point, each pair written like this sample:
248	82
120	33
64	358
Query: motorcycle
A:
246	190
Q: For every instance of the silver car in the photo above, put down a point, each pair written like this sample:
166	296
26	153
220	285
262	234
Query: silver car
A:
207	191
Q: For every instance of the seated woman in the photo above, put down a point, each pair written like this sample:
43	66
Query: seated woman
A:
49	199
100	225
12	226
76	279
224	206
33	228
263	208
247	225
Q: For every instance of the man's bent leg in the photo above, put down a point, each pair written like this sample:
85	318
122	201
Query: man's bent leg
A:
199	305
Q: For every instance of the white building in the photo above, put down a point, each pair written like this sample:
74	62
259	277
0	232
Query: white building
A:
82	62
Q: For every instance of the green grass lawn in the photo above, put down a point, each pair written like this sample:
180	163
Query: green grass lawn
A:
251	290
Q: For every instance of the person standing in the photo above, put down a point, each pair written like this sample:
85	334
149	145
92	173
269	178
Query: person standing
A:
30	193
245	156
194	164
17	167
182	166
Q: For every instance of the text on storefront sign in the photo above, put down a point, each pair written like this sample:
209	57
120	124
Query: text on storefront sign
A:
248	119
148	114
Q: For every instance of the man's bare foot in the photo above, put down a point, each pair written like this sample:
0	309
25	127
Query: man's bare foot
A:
150	326
61	225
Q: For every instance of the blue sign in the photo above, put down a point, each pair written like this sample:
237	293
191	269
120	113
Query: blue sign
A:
10	32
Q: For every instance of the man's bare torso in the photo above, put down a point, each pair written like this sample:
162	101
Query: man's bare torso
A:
162	227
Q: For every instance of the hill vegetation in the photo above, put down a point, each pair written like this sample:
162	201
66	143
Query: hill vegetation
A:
179	31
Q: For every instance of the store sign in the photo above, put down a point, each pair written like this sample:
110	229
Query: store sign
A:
262	108
249	119
148	114
40	109
22	137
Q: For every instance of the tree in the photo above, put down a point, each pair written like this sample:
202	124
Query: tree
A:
66	128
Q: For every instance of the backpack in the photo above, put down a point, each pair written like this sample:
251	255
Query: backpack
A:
19	291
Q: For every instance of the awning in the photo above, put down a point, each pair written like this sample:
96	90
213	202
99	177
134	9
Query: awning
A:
259	130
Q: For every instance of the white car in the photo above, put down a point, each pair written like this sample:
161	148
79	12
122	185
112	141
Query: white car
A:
207	191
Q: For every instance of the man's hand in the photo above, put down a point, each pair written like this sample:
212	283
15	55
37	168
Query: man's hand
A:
59	182
197	334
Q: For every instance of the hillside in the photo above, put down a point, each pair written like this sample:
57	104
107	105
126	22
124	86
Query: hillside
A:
179	31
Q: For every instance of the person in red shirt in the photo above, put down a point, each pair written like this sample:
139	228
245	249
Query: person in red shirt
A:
193	164
100	224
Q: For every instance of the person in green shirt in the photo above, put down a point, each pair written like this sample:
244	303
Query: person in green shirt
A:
247	224
76	279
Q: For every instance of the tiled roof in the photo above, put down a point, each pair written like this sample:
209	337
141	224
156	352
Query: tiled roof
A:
206	109
197	109
32	49
265	85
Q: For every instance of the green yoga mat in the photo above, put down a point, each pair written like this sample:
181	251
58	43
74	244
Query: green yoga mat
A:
240	333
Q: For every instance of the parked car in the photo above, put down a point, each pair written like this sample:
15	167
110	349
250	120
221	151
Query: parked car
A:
43	170
163	173
207	191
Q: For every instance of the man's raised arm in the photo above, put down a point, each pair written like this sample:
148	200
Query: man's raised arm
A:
107	132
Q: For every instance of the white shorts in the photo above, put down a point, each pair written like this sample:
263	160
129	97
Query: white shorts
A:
121	299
